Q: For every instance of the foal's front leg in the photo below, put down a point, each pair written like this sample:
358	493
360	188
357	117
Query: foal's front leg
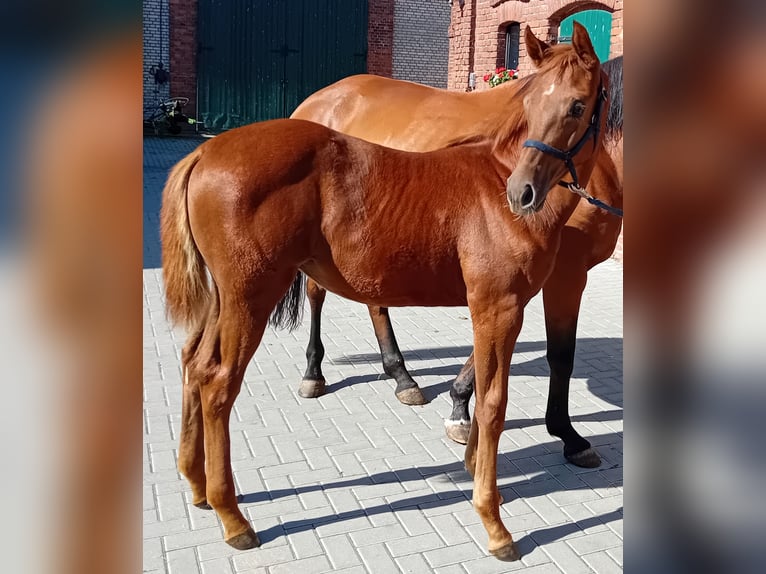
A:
496	328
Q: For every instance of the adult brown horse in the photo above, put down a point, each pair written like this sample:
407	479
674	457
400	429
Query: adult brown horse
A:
247	210
413	117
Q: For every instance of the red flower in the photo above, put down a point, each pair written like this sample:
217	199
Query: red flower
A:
487	77
500	70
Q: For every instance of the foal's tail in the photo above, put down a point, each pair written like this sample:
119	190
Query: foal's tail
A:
187	290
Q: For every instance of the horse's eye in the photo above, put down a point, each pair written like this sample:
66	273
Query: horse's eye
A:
577	109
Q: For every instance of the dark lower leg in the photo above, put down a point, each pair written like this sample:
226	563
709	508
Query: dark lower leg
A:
313	384
561	348
407	390
562	294
459	421
562	339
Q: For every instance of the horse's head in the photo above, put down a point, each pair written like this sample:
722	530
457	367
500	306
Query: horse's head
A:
564	106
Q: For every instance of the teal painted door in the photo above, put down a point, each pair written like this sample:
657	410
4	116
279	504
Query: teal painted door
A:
259	59
599	26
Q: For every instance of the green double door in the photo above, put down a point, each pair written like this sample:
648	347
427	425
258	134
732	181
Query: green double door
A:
598	23
259	59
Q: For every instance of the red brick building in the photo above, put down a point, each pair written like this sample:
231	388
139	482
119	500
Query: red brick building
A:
485	34
437	42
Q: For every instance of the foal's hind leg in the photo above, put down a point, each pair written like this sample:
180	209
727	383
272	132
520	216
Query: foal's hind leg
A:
562	294
191	450
313	383
459	422
407	390
219	364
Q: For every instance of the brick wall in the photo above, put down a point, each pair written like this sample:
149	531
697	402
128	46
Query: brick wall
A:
477	28
156	50
380	37
183	52
421	44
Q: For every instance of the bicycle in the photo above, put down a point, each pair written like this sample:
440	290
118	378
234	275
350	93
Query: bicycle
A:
168	115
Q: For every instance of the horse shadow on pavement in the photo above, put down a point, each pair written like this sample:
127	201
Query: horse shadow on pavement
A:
595	358
454	486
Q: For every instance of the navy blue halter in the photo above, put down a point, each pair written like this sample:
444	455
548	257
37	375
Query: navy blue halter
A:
568	156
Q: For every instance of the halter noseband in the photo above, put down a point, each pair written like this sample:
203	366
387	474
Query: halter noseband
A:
567	156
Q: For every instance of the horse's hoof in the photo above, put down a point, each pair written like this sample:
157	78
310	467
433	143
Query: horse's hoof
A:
587	458
457	431
312	388
203	504
507	553
244	541
412	396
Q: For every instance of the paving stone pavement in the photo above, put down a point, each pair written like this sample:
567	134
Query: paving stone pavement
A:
356	482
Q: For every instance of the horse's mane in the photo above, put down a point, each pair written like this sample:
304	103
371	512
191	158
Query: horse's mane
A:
613	69
507	132
510	129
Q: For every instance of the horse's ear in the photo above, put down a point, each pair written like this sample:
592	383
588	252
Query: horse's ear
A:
583	46
535	48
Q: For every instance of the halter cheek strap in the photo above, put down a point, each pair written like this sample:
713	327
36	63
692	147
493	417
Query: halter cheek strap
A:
568	156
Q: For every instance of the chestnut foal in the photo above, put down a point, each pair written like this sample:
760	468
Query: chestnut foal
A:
249	209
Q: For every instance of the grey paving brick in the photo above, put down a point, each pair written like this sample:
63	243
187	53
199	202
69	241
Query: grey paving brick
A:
449	529
547	509
548	568
305	544
344	526
215	551
171	506
615	554
313	565
182	561
376	559
217	566
414	521
262	557
452	554
340	551
192	538
491	565
377	490
413	564
164	528
602	563
414	544
595	542
153	555
377	535
566	558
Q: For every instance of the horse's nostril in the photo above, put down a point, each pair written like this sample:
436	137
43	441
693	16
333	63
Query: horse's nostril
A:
528	197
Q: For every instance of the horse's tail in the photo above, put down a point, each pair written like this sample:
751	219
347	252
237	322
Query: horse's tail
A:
187	290
289	311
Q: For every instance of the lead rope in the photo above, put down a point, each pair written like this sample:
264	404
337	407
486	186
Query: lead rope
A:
593	201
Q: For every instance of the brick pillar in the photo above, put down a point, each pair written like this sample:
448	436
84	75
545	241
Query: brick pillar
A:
183	52
462	32
380	37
